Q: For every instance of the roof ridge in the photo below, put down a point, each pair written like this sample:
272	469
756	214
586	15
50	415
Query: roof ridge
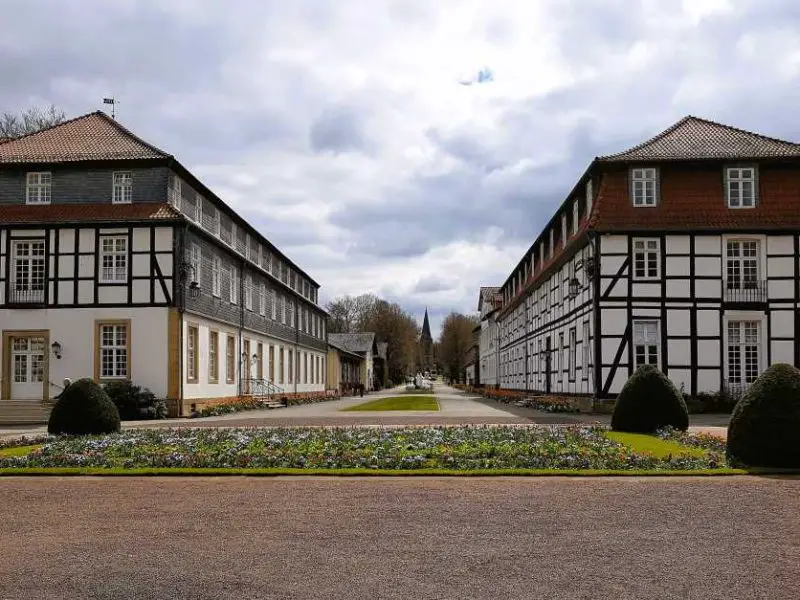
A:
127	131
106	118
653	139
746	131
692	118
49	127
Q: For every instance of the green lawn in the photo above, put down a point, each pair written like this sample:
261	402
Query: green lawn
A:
652	445
18	451
409	402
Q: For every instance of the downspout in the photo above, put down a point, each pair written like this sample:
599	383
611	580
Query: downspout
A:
242	366
181	291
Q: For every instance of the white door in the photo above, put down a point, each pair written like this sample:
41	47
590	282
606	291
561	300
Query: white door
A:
27	367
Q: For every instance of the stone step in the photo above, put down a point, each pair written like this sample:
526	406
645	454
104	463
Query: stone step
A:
16	412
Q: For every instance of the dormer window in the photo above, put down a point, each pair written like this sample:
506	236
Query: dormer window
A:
643	186
37	188
740	187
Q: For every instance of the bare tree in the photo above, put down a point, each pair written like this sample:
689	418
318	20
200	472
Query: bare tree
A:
29	121
388	321
455	342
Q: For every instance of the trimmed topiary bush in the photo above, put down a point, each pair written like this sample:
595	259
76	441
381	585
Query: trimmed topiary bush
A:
84	409
649	401
134	402
765	426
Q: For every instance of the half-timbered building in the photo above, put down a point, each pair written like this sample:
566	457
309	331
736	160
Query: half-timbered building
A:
489	301
117	263
682	252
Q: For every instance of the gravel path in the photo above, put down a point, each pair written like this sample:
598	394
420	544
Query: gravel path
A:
241	538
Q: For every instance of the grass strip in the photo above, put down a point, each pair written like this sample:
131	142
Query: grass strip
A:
397	403
277	472
652	445
18	450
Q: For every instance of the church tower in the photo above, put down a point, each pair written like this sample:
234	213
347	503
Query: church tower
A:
426	345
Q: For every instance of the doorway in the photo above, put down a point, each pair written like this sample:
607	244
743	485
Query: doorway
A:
26	365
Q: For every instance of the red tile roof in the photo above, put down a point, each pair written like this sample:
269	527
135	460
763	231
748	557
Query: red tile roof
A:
95	136
78	213
692	138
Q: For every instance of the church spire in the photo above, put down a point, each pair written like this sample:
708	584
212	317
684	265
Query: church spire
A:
426	327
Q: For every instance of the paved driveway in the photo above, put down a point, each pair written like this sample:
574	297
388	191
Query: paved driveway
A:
456	408
241	538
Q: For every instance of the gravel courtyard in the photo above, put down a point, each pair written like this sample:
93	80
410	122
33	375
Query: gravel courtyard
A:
237	538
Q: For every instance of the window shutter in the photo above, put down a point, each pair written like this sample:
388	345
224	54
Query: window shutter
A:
755	186
725	186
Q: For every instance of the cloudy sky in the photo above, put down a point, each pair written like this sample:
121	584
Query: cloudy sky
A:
341	129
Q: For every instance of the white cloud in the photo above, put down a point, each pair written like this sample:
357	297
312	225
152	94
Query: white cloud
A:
411	176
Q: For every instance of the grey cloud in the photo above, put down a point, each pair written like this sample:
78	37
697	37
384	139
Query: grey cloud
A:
434	283
339	129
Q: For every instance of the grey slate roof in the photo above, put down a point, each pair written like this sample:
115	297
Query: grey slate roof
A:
693	138
352	342
95	136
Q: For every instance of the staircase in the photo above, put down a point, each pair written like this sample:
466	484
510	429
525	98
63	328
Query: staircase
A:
265	391
24	412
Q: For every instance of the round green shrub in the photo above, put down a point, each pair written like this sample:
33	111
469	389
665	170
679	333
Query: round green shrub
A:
84	409
765	426
649	401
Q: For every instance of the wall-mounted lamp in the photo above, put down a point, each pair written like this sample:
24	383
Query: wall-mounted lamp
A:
574	287
56	348
590	265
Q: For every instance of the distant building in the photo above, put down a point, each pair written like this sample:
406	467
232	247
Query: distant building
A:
489	302
427	362
363	345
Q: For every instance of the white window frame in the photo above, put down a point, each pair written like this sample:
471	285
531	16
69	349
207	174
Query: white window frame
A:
216	276
647	248
234	234
114	248
234	287
587	351
248	292
198	209
737	180
262	299
117	349
121	187
247	246
573	353
762	341
29	257
38	187
175	193
217	222
644	180
196	260
760	260
647	334
192	349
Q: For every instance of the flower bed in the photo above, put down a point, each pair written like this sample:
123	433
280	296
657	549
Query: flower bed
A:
251	403
464	448
553	404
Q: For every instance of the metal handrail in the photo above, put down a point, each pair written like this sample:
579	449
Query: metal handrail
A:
261	388
745	290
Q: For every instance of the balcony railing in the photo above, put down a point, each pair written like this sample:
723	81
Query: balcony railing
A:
25	296
753	291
